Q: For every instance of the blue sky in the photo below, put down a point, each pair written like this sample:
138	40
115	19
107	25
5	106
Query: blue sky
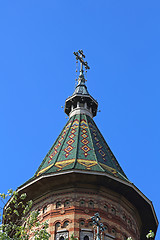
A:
121	40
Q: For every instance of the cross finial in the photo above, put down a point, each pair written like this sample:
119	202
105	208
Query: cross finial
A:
80	56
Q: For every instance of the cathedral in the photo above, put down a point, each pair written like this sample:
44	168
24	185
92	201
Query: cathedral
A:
80	179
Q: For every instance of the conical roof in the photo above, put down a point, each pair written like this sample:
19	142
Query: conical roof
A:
81	146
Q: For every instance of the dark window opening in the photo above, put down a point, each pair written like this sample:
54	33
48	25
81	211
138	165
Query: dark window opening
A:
113	211
67	203
57	225
58	204
82	222
86	238
61	238
82	202
91	204
66	223
45	209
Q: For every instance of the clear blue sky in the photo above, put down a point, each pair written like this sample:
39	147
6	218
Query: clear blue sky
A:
121	39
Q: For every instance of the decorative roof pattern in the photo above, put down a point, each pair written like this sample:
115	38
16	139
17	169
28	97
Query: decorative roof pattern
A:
81	146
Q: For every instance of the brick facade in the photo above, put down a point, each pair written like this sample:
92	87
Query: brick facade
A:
69	211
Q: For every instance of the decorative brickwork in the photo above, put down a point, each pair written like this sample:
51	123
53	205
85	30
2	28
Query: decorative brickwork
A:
70	211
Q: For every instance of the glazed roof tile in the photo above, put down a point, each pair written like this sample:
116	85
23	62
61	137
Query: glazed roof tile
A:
81	146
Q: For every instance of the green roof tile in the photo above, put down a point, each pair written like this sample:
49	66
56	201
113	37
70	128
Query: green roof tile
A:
80	146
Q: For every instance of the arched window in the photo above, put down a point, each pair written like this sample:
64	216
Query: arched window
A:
45	209
58	204
81	223
105	208
124	217
106	228
38	211
82	203
129	222
113	211
66	223
90	224
67	204
91	204
57	225
86	238
61	238
113	231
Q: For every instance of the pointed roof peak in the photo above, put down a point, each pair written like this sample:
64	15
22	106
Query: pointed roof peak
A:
81	87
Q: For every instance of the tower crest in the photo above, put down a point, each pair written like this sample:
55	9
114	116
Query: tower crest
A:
81	102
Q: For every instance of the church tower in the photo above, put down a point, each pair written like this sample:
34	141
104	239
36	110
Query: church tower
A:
80	177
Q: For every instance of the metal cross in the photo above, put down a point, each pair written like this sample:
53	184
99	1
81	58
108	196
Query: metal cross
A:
80	56
100	227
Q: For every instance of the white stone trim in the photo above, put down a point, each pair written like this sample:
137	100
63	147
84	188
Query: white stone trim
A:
80	110
86	229
61	234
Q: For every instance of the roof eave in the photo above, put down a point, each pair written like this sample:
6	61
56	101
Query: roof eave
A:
127	189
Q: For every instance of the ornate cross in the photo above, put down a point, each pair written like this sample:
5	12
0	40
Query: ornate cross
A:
80	56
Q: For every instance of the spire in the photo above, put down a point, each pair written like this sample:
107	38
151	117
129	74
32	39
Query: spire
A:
81	86
81	102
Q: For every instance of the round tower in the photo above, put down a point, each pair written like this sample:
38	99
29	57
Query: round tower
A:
80	176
